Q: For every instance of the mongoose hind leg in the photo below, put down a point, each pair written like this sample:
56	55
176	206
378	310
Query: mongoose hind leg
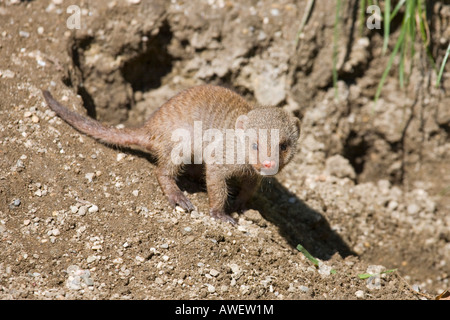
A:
166	180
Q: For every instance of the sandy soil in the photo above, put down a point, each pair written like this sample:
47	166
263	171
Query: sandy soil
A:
368	191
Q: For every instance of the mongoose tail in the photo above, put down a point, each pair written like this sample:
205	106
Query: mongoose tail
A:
110	135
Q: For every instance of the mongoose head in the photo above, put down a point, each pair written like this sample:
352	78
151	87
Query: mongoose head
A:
272	136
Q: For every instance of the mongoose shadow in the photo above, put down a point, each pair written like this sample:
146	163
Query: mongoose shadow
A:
297	222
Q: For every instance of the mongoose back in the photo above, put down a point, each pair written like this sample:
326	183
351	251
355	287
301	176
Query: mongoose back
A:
215	110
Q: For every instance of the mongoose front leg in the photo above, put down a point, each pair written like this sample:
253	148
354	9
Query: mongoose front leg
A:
217	188
169	186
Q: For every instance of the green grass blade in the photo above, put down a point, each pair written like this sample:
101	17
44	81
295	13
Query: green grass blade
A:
401	67
387	24
311	258
407	25
441	71
422	21
368	275
424	31
410	25
306	15
308	255
389	271
389	65
362	16
397	8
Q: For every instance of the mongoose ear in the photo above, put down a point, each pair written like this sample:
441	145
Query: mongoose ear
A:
241	122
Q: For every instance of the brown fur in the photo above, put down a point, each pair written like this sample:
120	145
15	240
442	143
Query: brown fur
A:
217	108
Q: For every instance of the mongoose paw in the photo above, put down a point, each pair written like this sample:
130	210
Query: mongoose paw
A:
179	199
220	215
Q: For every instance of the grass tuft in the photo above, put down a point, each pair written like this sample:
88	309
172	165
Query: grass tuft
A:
414	23
414	28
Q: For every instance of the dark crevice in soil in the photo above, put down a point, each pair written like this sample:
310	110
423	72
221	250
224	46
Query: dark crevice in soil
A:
146	70
81	45
356	149
88	102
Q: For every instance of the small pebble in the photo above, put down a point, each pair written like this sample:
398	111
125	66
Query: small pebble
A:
224	288
179	209
87	279
7	74
214	272
90	176
245	289
73	283
304	289
359	294
96	247
121	156
82	210
24	34
235	268
275	12
413	209
93	209
76	275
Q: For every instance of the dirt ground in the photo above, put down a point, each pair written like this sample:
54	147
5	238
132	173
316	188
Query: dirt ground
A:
367	192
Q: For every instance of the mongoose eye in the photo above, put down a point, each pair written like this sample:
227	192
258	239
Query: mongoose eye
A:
283	146
255	146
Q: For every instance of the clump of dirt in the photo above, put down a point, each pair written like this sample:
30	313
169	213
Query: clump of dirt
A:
368	187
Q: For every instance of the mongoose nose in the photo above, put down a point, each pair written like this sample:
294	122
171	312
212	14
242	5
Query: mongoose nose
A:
269	164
